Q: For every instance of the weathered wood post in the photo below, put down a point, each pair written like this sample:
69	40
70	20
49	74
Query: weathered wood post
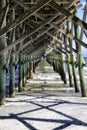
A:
78	35
21	61
12	60
75	74
28	65
31	69
68	64
62	65
70	30
34	66
57	66
20	83
63	74
54	66
3	44
69	71
62	69
24	70
12	77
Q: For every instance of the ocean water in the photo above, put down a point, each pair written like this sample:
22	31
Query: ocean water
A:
8	80
16	76
85	58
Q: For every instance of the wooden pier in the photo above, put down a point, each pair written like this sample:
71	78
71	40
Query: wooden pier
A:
37	31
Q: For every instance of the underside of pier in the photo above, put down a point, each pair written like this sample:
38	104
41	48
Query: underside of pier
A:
41	60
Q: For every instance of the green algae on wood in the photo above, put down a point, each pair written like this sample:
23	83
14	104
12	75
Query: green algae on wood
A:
3	44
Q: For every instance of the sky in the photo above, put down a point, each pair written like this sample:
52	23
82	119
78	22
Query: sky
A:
80	15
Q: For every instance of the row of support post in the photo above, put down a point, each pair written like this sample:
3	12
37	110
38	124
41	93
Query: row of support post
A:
72	64
26	70
27	67
3	44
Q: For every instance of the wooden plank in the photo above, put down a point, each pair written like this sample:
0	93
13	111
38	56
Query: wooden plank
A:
69	35
5	10
38	49
3	44
23	17
59	47
61	42
55	38
31	41
27	35
68	14
34	46
21	4
34	39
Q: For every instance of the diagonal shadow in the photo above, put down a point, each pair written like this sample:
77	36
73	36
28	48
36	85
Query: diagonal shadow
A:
23	122
65	123
47	97
74	120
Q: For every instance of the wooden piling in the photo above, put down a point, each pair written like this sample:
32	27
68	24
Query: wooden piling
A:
72	60
24	70
69	71
20	81
31	70
63	74
3	44
75	74
80	61
33	66
28	65
12	60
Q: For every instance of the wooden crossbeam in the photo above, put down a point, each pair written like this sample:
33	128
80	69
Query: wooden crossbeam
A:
34	46
12	7
58	46
73	2
68	35
23	17
53	48
34	39
5	10
36	51
27	35
69	15
40	49
39	54
30	3
21	4
85	32
55	38
61	42
31	41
